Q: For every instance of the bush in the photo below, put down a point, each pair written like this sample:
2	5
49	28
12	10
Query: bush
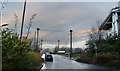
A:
17	54
30	61
12	47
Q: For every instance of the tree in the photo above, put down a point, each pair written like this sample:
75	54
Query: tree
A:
95	36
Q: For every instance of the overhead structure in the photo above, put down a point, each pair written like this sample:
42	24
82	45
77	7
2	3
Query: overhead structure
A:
112	21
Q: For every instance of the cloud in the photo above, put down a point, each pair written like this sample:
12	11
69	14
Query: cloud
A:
79	33
64	1
41	35
62	22
58	16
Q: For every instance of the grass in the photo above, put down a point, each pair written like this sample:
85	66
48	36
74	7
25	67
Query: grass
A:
30	61
75	56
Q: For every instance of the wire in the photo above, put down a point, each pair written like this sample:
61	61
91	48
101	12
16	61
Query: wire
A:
67	42
76	42
53	30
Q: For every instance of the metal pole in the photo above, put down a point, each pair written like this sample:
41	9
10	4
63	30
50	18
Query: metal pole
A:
1	18
71	43
35	41
1	41
41	43
23	19
37	38
95	47
1	10
96	51
58	44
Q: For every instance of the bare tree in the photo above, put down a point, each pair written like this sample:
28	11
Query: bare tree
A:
95	33
30	24
16	22
3	4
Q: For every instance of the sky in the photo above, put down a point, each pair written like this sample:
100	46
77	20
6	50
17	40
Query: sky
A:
56	19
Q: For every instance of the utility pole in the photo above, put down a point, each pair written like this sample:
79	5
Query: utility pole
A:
37	38
58	44
23	19
35	41
71	43
41	43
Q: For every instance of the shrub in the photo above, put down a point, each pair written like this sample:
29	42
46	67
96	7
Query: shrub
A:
12	47
30	61
17	54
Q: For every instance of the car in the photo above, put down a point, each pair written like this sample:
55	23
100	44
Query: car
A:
48	58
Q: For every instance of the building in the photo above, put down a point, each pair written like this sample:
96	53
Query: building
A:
112	22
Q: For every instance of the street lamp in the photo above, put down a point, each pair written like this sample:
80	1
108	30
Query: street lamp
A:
3	25
37	38
41	44
71	43
1	10
58	44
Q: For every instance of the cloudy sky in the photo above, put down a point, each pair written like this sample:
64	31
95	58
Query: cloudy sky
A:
55	19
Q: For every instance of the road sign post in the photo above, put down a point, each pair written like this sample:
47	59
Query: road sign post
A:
95	48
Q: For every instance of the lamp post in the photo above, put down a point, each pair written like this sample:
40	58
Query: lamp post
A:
1	10
41	43
3	25
71	43
37	38
1	13
1	17
58	44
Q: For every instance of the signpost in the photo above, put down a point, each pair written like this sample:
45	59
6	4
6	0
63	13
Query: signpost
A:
95	48
24	39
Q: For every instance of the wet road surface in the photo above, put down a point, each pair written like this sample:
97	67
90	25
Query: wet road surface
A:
61	62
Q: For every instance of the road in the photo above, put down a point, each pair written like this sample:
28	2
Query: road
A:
61	62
